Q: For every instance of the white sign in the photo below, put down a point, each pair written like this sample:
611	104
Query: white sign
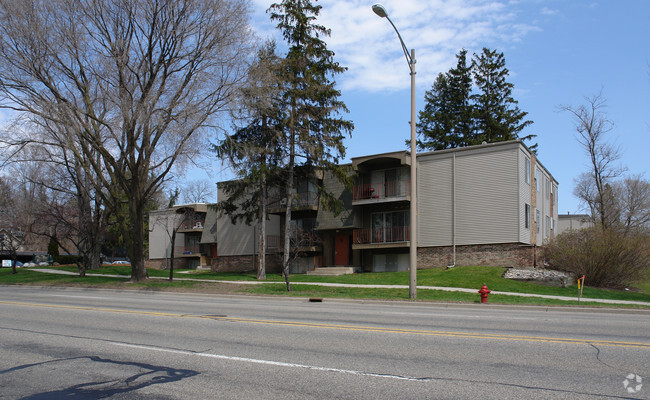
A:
6	263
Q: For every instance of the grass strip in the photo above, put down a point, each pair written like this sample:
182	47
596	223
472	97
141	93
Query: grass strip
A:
467	277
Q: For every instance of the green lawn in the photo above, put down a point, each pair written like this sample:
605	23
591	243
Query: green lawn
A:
467	277
298	290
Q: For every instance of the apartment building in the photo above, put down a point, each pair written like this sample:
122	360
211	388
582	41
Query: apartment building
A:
193	228
491	204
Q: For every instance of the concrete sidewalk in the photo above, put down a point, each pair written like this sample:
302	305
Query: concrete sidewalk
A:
349	285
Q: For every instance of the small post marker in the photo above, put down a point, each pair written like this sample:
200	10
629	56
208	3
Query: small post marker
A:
581	286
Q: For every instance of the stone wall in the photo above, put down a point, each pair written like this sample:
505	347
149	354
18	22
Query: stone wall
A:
512	255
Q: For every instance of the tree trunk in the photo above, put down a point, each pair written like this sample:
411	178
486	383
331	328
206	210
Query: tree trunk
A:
171	256
136	246
95	259
81	266
287	219
261	262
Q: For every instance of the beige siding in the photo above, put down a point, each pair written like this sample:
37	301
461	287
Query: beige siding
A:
435	201
524	197
240	239
488	199
487	196
161	225
543	205
234	239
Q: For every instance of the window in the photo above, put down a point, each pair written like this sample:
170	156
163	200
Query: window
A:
527	216
537	179
388	183
555	196
390	227
527	170
548	227
537	219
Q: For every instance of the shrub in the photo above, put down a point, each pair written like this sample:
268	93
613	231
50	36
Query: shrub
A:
606	257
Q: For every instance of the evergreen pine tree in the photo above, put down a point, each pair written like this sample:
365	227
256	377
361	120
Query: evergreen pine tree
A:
496	114
436	124
446	121
455	116
255	149
315	129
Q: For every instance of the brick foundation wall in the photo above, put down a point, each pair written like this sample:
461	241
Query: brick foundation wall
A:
513	255
163	263
244	263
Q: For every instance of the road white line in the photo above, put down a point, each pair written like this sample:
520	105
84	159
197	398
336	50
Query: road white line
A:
273	363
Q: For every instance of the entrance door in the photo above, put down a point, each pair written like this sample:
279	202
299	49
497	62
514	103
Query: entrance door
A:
342	249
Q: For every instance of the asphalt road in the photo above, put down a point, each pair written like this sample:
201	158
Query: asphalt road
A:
98	344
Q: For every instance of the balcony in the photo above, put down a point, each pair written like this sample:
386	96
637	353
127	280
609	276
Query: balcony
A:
381	192
302	240
369	238
187	251
192	225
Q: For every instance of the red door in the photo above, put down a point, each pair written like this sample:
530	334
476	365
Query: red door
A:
342	249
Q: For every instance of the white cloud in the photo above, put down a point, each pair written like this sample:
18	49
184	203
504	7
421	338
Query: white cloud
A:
437	29
548	11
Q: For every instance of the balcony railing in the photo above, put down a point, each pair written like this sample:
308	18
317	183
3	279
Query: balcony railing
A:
381	235
191	225
190	249
303	199
299	239
273	242
380	190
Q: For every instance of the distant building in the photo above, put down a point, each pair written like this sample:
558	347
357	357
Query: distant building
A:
573	221
195	243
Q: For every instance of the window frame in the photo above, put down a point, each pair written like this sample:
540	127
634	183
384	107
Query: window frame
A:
527	215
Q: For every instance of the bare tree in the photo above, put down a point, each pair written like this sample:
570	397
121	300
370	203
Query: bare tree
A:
74	213
198	191
592	127
10	237
632	196
128	87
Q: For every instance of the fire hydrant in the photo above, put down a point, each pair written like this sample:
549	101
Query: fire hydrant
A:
484	293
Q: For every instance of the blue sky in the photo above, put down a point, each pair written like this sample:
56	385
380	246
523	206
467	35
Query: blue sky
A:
557	52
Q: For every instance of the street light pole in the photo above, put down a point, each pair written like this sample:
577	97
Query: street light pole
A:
413	245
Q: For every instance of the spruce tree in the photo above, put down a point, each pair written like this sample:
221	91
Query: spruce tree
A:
436	124
496	114
446	121
255	149
315	129
471	104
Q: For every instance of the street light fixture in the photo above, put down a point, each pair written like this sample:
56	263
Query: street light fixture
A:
413	246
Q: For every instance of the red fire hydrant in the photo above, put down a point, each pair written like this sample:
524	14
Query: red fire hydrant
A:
484	293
